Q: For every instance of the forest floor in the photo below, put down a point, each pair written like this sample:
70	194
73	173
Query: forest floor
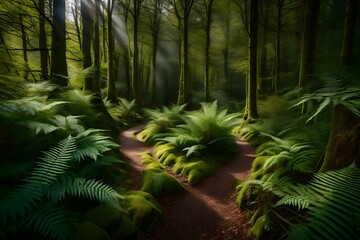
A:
204	211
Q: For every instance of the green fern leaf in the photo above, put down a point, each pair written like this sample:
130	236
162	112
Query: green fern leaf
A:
51	221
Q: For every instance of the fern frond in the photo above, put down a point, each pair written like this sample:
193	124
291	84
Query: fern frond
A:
51	221
81	187
54	163
14	169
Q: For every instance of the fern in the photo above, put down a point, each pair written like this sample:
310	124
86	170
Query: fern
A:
81	187
51	221
332	199
54	163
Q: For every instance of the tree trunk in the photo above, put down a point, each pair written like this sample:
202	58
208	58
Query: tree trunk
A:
351	15
96	49
209	6
184	85
76	20
58	73
263	71
308	43
86	45
279	6
343	145
136	85
227	42
24	49
43	43
111	90
251	105
104	36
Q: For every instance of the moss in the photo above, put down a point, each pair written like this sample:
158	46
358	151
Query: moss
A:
170	159
143	209
105	217
195	177
90	231
179	165
157	181
146	158
154	165
127	230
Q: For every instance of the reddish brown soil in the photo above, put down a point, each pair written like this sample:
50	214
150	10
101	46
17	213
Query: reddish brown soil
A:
206	211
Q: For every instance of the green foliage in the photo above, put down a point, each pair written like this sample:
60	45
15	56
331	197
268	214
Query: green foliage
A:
161	121
332	201
125	112
37	189
197	146
331	95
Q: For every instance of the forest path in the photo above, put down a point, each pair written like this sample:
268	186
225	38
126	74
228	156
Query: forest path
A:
204	211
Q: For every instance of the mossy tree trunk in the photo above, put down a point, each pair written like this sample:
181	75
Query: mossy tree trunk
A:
136	82
24	48
75	14
208	8
111	90
155	29
58	72
43	42
227	43
251	89
96	48
184	77
344	141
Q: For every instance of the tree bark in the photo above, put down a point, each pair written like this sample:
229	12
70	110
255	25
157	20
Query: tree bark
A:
351	15
58	73
24	49
308	42
43	43
209	8
251	102
184	78
136	84
86	45
96	48
76	20
111	90
343	144
279	6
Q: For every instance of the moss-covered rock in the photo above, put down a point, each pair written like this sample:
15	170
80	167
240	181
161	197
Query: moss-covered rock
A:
106	217
157	181
195	177
90	231
143	209
126	231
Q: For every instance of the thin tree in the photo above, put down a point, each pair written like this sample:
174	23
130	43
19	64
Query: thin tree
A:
58	73
43	42
86	44
209	4
111	90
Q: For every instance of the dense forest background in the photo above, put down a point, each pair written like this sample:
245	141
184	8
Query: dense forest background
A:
75	72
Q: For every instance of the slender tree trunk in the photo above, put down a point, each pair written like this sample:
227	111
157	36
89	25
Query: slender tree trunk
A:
104	36
209	6
343	145
86	44
351	16
279	6
58	73
308	45
136	85
184	86
263	71
76	21
43	43
251	104
111	90
227	43
24	49
96	48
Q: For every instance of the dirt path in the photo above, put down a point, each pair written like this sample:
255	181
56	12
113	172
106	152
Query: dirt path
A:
205	211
